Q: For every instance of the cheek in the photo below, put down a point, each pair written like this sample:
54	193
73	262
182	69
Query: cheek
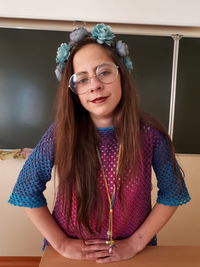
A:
118	92
119	88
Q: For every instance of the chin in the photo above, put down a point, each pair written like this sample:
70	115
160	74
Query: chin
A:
101	115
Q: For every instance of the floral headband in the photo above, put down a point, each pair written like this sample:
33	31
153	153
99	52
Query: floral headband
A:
102	34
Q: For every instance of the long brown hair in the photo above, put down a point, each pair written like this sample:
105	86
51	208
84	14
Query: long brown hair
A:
76	138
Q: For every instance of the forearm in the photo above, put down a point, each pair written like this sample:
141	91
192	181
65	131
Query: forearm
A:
158	217
45	223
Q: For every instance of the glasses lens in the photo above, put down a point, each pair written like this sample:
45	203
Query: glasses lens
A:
107	72
79	83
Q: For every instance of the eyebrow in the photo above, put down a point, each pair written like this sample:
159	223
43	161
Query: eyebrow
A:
82	72
86	72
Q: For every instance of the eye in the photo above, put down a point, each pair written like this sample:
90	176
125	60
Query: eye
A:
82	81
104	73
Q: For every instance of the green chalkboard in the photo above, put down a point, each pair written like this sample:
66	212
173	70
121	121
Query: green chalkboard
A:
187	112
28	84
152	56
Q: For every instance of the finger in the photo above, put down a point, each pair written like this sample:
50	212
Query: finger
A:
97	254
105	260
95	247
95	241
110	250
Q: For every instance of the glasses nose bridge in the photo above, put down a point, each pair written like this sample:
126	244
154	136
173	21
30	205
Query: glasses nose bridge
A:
95	84
96	78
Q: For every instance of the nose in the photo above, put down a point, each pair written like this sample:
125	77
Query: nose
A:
95	84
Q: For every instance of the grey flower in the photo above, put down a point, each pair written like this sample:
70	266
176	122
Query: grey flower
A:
59	71
122	48
78	34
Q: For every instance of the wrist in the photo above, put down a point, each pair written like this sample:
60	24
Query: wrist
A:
137	242
60	244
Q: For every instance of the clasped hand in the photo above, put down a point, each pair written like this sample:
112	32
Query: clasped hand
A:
98	250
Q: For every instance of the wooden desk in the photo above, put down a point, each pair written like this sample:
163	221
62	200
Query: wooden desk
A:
159	256
19	261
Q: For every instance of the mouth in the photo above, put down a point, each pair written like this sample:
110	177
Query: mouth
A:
99	99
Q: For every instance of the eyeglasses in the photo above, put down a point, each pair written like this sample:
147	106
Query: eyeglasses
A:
105	73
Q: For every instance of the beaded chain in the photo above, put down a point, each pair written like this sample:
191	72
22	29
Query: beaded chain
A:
111	198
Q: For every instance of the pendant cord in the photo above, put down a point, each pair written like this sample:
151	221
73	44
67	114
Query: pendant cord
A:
111	198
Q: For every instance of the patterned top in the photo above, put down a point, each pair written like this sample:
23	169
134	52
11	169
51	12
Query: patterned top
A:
135	186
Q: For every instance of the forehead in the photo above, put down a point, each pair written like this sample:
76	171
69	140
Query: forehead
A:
89	57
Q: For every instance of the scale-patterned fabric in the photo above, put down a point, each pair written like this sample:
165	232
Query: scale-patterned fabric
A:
135	186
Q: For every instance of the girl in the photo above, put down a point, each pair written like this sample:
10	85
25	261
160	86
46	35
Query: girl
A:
103	147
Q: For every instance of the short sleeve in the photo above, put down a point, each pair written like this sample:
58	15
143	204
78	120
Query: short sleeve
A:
171	191
36	172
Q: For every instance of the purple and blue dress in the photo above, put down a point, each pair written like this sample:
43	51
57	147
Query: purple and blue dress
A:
136	186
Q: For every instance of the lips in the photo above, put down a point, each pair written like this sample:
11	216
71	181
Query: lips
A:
99	99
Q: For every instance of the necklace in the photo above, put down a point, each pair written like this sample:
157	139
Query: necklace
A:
111	198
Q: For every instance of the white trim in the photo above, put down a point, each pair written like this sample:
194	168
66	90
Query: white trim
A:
173	84
136	29
154	12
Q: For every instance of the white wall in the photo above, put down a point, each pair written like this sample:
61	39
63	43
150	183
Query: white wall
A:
158	12
18	237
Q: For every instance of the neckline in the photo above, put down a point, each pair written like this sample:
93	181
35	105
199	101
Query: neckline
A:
105	128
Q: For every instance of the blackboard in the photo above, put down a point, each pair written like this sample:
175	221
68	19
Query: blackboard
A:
28	84
187	112
152	57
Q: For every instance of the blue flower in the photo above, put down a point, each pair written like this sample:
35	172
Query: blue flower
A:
103	34
78	34
122	48
63	53
128	63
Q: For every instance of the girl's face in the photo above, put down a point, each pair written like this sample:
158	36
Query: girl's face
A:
101	99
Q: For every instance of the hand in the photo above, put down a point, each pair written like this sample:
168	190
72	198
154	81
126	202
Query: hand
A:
122	250
80	250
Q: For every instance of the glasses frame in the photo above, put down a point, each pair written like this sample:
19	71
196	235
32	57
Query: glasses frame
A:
90	78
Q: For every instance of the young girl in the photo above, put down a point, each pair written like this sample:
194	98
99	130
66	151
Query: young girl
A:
103	148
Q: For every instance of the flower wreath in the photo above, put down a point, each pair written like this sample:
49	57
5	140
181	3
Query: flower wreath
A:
102	34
